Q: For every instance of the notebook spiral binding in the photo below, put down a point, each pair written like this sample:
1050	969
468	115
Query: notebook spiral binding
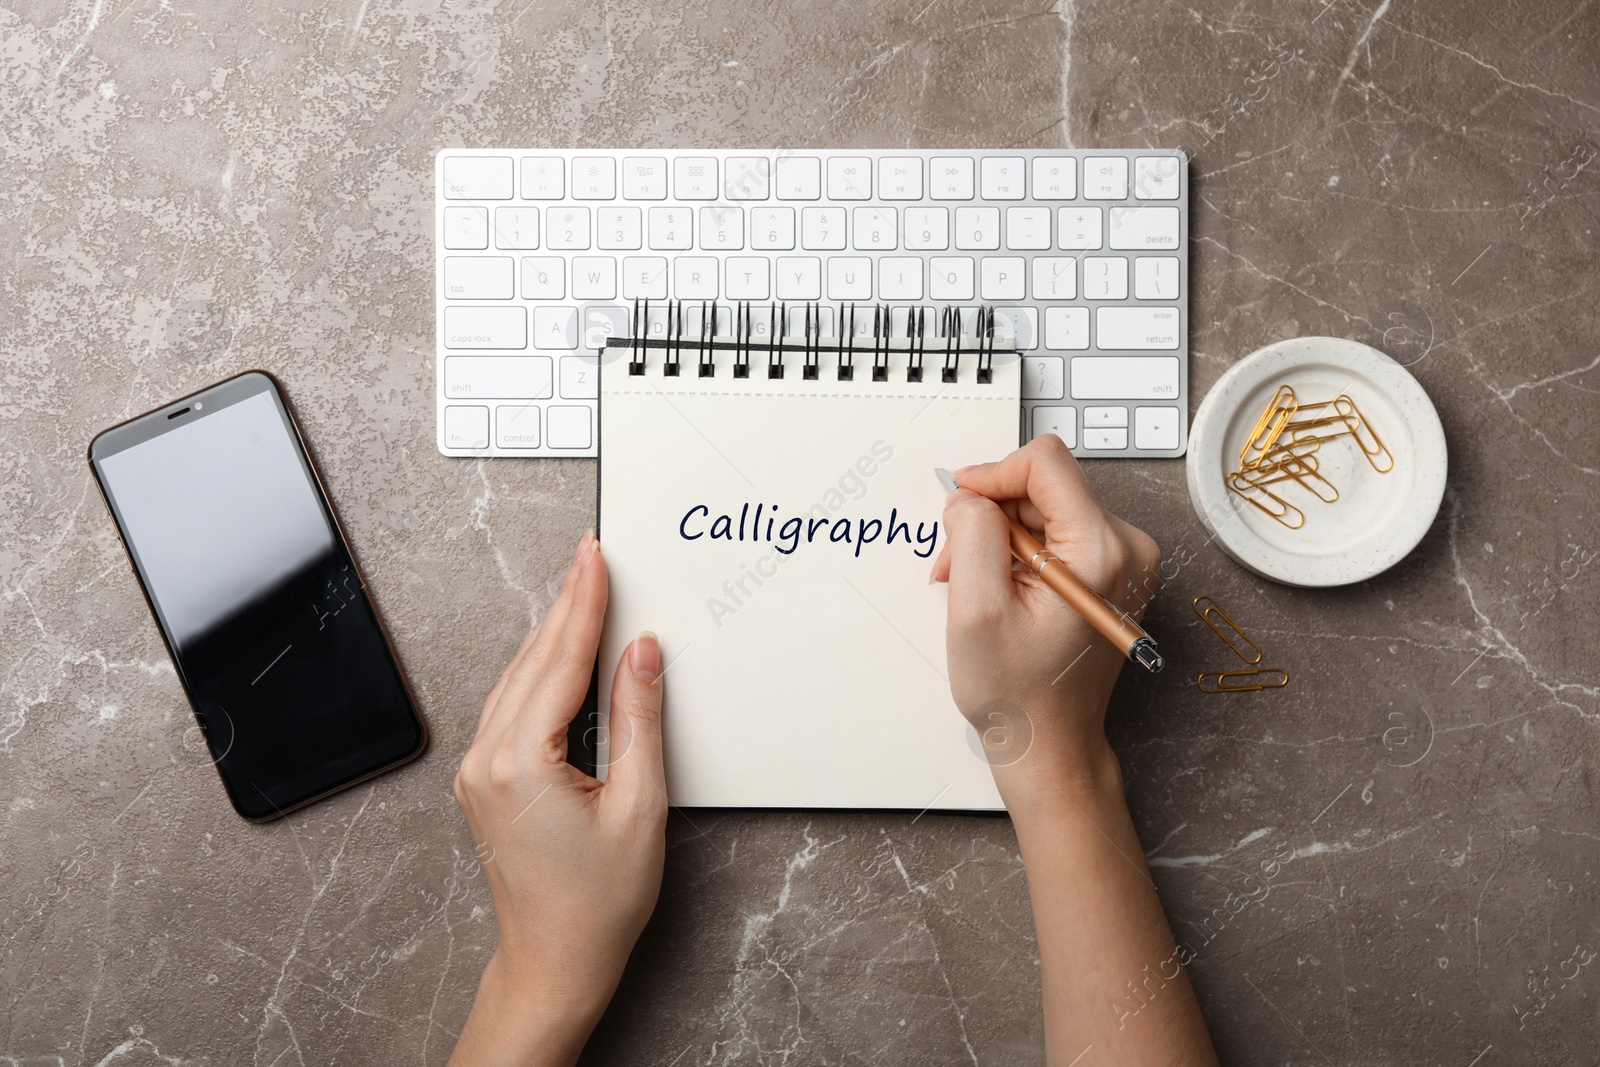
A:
848	343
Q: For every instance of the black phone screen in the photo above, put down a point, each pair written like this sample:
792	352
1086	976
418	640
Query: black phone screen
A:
262	607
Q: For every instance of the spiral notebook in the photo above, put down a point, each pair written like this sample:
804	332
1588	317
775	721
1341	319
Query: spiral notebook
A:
768	507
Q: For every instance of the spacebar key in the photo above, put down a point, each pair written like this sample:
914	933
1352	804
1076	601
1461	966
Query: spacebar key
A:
1136	328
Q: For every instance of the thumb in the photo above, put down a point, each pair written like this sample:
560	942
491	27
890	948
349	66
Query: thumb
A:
979	543
635	759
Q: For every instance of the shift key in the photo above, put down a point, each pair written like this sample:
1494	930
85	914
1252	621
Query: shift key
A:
497	377
485	327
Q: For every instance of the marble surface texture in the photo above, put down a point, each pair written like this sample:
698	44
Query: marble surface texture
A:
193	187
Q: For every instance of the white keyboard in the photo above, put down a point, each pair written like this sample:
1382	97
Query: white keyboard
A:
541	255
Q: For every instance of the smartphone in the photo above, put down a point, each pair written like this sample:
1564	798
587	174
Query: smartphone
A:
263	609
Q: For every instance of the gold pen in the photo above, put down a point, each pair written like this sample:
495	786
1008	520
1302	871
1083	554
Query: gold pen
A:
1097	611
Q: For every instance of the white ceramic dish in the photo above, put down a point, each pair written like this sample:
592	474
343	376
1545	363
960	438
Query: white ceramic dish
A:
1377	518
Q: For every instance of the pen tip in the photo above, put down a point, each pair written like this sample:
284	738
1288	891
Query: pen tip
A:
946	479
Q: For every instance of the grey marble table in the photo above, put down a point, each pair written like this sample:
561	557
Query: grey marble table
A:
191	188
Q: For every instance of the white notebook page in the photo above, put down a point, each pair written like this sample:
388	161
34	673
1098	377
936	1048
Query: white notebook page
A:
803	669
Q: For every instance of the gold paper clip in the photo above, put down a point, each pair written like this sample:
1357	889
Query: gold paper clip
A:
1222	685
1280	411
1285	512
1291	468
1213	608
1359	423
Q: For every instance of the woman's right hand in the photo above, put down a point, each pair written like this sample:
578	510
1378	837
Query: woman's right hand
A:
1025	668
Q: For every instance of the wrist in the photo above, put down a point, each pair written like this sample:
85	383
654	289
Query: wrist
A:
1059	774
531	1013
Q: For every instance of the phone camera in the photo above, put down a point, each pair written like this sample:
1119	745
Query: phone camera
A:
198	405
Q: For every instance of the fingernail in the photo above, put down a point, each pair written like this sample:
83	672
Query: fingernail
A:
644	657
583	543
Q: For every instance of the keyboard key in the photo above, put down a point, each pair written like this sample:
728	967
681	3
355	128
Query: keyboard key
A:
1055	178
977	227
1105	438
1156	178
950	278
772	228
1144	227
722	227
900	278
1079	227
671	228
1055	278
950	177
619	227
485	327
542	178
747	178
849	178
544	278
1156	427
1124	377
849	278
602	322
556	328
1059	420
466	227
822	228
477	178
1155	278
644	178
1105	416
1003	177
1135	328
477	278
1066	329
594	278
516	227
1105	178
695	277
877	229
1022	323
900	178
1105	278
1028	228
749	277
594	178
928	228
694	318
567	228
516	426
799	278
569	426
821	318
644	278
763	322
580	378
1003	278
694	178
466	427
483	377
1044	378
799	178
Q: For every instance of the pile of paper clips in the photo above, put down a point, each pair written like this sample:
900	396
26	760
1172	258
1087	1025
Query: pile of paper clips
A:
1246	679
1283	448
